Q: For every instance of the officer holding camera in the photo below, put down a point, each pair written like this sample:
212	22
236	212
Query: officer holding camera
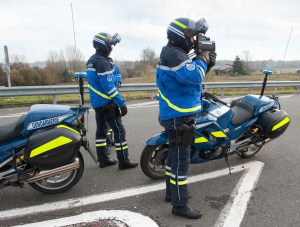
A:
179	85
107	101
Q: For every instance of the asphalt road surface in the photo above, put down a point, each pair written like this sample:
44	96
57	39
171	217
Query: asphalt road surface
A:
275	198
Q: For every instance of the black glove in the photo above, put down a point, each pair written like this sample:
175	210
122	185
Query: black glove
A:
204	56
119	84
212	57
123	110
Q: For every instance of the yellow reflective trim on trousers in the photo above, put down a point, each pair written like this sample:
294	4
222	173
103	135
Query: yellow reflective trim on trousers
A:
114	94
50	145
179	24
119	148
110	130
100	144
218	134
109	133
201	70
182	110
99	93
282	123
201	140
168	174
179	182
63	126
102	36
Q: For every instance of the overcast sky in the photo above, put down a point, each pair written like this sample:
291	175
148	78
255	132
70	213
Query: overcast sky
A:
33	27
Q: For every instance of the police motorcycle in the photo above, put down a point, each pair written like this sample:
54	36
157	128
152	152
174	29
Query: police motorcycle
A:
241	128
42	147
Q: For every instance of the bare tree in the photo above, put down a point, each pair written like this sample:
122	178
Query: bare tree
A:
53	64
18	62
246	56
75	59
148	56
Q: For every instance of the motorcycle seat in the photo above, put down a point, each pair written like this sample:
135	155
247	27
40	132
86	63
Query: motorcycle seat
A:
12	130
241	112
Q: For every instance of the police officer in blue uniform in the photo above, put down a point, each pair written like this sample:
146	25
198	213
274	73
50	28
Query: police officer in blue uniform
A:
179	85
107	101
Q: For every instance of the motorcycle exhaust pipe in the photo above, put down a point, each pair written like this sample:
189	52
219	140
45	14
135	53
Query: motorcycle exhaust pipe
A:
45	174
253	146
53	172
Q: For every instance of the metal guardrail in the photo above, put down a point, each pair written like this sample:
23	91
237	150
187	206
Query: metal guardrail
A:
73	89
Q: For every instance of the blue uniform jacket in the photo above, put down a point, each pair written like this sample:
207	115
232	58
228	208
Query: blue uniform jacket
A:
179	83
103	81
118	72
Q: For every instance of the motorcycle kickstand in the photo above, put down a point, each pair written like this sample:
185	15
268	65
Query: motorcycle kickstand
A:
88	149
227	162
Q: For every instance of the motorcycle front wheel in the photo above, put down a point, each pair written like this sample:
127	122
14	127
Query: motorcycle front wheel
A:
153	161
60	182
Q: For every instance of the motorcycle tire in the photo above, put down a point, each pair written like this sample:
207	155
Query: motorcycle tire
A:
153	160
61	182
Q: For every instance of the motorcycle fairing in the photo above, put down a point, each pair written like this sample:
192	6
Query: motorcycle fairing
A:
158	139
42	116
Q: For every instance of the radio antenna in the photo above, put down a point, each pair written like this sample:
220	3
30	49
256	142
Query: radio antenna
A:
74	39
286	50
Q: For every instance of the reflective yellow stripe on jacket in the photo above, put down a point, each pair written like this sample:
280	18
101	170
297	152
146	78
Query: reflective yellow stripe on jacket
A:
182	110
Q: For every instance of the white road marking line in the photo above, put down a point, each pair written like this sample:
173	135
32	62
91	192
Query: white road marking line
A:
135	107
143	103
285	96
10	116
131	219
243	196
235	209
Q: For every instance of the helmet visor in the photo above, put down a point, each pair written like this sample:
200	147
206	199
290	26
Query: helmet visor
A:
112	40
116	38
195	28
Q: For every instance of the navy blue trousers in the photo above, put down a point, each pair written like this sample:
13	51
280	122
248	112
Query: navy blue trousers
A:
119	136
177	166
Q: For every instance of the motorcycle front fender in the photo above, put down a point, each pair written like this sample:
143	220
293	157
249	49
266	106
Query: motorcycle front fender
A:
159	139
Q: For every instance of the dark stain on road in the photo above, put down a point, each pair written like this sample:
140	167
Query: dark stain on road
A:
217	202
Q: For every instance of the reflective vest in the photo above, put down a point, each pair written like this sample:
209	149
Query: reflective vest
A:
179	83
103	81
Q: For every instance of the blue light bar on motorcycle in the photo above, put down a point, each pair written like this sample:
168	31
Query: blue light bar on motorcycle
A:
80	75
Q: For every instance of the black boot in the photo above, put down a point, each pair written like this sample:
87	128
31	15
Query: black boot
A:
187	212
108	162
168	198
128	165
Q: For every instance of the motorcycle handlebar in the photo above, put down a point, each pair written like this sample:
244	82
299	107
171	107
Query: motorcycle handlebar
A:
212	97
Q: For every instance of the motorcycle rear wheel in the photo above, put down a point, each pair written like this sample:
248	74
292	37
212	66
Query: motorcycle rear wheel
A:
61	182
153	161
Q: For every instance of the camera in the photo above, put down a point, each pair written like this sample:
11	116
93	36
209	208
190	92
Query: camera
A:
203	43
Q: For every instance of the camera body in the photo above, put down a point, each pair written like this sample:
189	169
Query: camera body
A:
203	43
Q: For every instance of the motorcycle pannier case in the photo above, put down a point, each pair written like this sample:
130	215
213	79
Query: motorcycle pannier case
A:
274	123
52	148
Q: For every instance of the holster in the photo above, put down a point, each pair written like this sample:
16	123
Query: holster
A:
111	110
184	137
